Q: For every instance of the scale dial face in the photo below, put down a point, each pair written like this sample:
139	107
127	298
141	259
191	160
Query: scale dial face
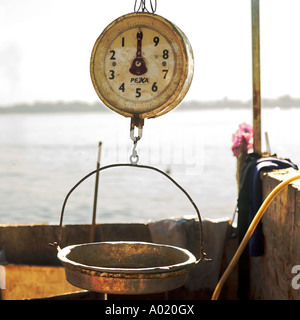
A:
141	65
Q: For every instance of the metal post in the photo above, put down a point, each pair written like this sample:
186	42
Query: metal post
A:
256	94
92	234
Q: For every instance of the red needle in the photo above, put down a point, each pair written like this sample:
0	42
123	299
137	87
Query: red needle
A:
138	66
139	44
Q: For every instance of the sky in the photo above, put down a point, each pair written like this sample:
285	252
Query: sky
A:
45	47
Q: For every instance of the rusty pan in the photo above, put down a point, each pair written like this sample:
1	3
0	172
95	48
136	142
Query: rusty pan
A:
127	267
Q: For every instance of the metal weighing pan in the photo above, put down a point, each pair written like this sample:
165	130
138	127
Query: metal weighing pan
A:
126	267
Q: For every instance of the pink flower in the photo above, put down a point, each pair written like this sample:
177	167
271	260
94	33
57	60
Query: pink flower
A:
241	139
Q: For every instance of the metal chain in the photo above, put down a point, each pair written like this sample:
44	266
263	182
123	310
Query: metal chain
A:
135	123
134	158
142	7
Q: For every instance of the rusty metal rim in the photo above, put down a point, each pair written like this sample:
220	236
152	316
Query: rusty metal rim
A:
124	276
126	284
106	271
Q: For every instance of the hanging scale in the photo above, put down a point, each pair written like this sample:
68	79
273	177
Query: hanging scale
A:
141	67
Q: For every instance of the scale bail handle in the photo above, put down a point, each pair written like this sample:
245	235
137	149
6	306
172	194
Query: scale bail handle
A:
202	253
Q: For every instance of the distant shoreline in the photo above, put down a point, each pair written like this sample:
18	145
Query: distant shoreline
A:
71	107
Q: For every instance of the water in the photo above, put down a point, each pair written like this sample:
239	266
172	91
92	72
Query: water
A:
44	155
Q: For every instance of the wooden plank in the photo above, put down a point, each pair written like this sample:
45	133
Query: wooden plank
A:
32	282
29	244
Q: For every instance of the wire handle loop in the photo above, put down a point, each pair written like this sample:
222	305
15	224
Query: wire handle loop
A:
56	244
142	7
